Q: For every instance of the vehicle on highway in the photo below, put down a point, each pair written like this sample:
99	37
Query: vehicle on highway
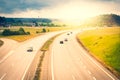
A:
61	42
68	34
30	49
66	39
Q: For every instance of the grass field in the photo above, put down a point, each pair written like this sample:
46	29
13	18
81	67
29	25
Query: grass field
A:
32	31
104	44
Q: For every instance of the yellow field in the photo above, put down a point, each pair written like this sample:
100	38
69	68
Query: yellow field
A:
33	33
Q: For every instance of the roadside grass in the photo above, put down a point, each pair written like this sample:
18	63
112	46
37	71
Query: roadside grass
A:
19	38
38	70
32	30
44	48
104	44
1	43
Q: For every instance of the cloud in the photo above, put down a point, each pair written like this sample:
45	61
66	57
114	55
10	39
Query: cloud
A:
11	6
62	9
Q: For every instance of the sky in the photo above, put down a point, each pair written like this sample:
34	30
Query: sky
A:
75	10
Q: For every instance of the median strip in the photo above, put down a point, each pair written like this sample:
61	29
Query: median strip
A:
44	48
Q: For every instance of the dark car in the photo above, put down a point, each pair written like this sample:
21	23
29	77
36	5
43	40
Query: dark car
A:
66	39
30	49
61	42
68	34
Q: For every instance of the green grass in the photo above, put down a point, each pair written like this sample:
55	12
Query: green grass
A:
1	43
32	30
45	47
104	44
38	70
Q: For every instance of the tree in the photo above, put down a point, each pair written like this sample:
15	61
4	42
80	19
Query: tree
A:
22	31
43	30
6	32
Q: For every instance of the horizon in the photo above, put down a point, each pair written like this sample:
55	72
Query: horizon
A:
67	10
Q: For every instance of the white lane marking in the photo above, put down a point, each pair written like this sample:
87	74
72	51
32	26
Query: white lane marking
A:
100	67
52	65
6	56
94	78
27	69
73	77
89	72
3	76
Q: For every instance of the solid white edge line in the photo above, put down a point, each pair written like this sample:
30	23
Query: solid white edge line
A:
3	76
89	72
73	77
94	78
100	67
52	64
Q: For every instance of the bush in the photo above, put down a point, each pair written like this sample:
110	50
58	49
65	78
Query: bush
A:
37	32
43	30
28	33
21	31
6	32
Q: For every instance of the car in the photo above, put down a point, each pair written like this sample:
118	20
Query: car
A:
68	34
30	49
66	39
61	42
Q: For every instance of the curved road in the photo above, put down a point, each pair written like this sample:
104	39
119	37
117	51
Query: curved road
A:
69	61
7	46
15	64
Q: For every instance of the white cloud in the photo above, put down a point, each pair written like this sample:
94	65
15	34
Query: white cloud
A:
70	10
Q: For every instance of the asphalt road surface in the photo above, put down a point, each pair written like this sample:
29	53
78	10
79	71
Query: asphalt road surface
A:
69	61
15	64
7	46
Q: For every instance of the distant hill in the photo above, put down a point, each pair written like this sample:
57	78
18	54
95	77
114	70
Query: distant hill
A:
108	20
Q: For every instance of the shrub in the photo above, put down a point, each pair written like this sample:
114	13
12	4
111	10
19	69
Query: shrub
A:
43	30
6	32
28	33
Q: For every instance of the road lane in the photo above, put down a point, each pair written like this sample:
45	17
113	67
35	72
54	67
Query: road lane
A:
8	46
17	63
71	62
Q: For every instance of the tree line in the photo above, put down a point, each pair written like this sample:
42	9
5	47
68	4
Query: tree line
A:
21	31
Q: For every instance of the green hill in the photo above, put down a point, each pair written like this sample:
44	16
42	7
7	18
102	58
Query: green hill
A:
108	20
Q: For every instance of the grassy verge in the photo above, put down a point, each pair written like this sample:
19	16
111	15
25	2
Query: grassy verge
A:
44	48
32	31
104	45
38	71
1	43
20	38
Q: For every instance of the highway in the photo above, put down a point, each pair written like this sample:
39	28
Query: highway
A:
8	45
15	64
70	61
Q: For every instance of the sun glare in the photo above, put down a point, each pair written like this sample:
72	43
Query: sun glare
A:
73	12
